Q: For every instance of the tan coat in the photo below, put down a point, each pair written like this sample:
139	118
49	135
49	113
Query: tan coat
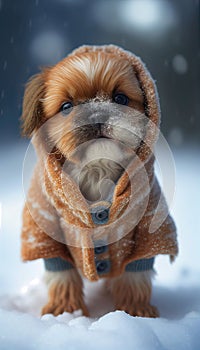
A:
57	220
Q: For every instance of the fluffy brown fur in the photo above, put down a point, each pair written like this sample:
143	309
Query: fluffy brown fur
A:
92	75
89	75
132	293
64	293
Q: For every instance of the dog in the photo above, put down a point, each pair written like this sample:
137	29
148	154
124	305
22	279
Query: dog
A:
94	119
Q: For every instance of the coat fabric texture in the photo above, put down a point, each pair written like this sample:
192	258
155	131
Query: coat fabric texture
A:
59	223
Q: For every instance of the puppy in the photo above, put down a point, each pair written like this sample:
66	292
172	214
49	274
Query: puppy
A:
94	119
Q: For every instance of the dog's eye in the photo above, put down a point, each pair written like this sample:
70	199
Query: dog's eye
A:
66	108
121	99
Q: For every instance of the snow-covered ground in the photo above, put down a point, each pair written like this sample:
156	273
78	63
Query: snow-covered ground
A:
176	288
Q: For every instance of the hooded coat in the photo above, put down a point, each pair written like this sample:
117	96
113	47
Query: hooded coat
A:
58	221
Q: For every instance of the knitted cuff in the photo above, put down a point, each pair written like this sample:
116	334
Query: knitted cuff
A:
57	264
140	265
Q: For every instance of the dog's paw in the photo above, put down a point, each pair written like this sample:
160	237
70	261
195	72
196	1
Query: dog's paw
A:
143	310
64	293
57	309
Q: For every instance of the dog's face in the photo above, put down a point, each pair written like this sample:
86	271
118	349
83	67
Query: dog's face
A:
87	91
88	97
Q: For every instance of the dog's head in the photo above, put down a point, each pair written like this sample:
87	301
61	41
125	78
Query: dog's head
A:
93	96
89	91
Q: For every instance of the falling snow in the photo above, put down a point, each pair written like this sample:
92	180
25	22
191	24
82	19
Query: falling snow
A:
5	64
179	64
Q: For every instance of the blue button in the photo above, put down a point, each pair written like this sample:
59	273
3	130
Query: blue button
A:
100	216
102	266
100	247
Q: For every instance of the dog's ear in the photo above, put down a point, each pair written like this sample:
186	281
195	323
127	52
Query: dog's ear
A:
32	112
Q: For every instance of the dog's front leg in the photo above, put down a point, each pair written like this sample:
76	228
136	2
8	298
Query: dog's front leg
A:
132	293
65	288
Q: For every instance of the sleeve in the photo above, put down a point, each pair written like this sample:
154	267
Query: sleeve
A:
41	235
156	232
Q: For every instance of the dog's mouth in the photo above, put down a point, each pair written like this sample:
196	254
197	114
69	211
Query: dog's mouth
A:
106	132
109	132
102	131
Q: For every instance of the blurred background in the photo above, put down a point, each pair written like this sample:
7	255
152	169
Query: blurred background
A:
164	33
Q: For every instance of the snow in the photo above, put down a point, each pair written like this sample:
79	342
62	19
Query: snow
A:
176	289
48	47
176	136
136	16
179	63
112	331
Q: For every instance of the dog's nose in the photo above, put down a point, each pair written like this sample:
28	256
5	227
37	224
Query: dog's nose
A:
98	118
100	216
